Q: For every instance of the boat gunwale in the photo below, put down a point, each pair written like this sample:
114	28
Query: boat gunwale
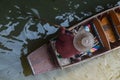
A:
92	17
83	22
79	24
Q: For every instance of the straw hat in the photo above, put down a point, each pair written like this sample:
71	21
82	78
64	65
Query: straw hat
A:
83	40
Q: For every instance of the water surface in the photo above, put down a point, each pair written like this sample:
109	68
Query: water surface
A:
24	25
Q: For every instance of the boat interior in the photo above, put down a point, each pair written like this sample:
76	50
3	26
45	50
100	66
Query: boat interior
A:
104	26
106	30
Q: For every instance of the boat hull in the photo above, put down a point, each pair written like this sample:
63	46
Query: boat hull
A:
105	26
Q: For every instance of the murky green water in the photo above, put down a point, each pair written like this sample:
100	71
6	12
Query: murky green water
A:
25	24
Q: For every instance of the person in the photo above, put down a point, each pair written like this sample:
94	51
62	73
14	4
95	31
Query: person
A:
64	43
68	45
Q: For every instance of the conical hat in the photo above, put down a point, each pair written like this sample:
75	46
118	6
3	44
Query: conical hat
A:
83	40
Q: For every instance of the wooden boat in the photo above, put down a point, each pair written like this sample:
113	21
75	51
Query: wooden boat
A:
105	26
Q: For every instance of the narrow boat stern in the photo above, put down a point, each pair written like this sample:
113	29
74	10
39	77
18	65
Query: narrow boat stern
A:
41	60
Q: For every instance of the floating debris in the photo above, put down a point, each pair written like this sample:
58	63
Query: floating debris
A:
35	11
76	6
109	5
99	8
55	8
16	6
86	13
8	18
84	2
1	25
10	11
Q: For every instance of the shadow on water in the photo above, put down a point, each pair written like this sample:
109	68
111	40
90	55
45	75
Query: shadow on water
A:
24	25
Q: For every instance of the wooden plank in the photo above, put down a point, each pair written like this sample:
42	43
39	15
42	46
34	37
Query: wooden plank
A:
102	34
40	60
